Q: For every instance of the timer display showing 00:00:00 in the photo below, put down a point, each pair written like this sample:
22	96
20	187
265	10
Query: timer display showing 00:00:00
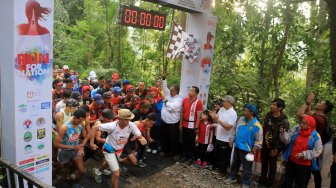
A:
145	20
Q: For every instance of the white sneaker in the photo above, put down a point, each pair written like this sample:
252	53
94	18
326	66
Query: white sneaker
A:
72	177
154	151
149	150
107	172
97	175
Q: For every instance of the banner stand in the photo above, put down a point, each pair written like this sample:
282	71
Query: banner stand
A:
26	57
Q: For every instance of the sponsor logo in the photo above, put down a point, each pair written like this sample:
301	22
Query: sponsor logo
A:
28	148
27	124
40	122
45	105
26	161
40	146
33	64
41	133
42	166
27	166
27	137
41	157
42	170
42	161
22	108
29	169
32	94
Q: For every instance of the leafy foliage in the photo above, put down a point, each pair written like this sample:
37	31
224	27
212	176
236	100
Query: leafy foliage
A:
87	37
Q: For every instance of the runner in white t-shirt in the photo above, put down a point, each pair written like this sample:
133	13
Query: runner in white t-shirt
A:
118	134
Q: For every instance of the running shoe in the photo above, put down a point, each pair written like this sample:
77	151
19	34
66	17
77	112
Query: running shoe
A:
149	150
107	172
97	175
230	181
141	164
205	164
198	162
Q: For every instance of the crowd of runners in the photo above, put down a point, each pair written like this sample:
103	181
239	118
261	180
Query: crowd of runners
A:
123	121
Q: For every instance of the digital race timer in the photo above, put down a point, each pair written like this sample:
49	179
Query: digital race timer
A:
136	17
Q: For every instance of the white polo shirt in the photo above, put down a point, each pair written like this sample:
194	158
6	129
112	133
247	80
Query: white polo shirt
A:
227	116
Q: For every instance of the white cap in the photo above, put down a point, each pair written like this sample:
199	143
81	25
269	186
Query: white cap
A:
65	67
92	75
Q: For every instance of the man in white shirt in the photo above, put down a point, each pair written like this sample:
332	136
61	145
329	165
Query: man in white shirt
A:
225	119
118	134
170	115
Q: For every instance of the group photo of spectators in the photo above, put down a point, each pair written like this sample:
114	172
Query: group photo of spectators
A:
115	122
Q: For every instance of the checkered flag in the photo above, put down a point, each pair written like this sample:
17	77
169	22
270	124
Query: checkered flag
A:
175	40
182	43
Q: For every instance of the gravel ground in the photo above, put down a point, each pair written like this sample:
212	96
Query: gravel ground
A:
181	176
184	176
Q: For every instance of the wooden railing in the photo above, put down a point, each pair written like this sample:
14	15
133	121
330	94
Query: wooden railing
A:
13	172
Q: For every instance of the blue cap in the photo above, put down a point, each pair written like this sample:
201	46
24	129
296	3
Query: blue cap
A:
125	82
116	89
98	98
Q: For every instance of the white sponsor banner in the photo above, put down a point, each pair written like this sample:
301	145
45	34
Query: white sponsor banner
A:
32	64
203	27
193	5
207	51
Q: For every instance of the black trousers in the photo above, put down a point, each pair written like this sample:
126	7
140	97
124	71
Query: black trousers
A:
141	151
333	175
201	152
223	155
317	178
297	174
268	166
240	160
155	133
170	138
188	138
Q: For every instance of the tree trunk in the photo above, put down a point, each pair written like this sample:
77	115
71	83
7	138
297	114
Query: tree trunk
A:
261	59
277	66
108	34
313	72
332	21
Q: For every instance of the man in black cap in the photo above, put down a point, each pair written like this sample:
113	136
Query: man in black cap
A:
107	101
107	87
65	113
76	95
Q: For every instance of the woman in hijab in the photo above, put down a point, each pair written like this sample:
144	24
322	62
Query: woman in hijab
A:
304	146
157	107
75	81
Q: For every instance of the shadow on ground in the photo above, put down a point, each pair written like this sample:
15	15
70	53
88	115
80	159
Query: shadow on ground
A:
155	163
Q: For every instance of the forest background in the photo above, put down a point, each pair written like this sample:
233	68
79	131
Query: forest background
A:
263	48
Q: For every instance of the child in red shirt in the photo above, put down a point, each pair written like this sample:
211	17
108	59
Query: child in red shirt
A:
204	139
